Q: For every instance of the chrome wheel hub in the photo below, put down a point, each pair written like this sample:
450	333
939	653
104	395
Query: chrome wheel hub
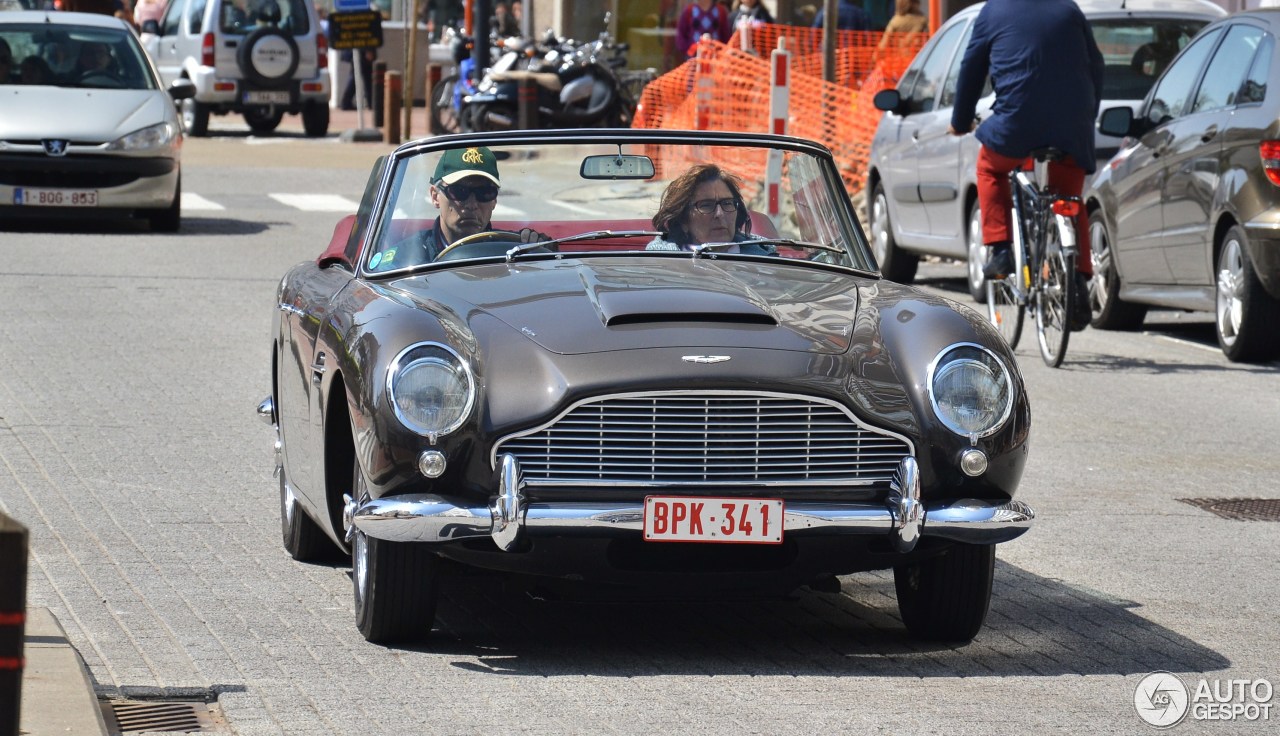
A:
1230	285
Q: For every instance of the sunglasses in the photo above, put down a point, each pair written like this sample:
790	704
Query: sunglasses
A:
460	193
708	206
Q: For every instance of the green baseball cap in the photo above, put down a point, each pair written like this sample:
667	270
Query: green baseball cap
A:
458	163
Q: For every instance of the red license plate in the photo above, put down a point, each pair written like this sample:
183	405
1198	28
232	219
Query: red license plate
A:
723	520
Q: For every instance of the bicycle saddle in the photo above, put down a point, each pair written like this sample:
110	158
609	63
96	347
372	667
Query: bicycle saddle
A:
1048	153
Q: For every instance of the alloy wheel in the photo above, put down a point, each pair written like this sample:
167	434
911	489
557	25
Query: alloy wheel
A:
1230	307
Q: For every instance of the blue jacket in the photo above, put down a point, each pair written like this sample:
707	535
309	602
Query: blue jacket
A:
851	17
1047	74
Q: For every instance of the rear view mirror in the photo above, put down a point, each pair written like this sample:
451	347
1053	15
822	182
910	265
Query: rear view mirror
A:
151	26
888	100
617	166
1117	121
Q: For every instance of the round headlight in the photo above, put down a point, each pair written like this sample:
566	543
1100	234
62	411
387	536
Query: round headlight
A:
431	390
970	390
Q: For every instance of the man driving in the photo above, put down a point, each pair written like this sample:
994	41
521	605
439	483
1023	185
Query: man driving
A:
464	188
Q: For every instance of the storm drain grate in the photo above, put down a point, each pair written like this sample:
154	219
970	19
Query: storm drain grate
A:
1239	509
137	716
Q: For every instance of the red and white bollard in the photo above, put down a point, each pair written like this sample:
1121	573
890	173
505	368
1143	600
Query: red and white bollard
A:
779	111
702	74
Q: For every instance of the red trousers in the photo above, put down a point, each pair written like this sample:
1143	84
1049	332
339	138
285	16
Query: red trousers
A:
1065	178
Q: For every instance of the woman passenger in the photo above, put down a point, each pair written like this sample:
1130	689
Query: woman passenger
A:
704	205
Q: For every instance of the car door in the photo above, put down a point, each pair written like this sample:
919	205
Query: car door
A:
164	46
947	162
1194	158
901	172
1139	182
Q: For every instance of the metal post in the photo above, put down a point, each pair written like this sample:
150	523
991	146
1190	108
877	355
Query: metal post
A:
435	72
391	134
13	616
527	89
779	114
379	93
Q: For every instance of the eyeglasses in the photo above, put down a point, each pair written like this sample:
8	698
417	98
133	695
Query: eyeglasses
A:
460	192
708	206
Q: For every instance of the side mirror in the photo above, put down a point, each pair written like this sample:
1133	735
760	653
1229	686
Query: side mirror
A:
1117	121
889	100
182	89
151	26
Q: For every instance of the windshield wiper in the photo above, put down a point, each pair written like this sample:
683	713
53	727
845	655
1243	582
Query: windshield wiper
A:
786	242
592	235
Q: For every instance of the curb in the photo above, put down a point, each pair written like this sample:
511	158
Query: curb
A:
57	691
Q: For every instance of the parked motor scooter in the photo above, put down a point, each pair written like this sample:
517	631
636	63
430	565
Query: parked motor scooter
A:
576	87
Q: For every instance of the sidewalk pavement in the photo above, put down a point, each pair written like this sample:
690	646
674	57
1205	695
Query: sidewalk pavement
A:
57	692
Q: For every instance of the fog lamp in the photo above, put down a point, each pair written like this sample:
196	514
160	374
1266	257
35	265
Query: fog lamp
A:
973	462
431	463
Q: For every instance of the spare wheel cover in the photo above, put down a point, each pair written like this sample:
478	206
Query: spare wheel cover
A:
268	56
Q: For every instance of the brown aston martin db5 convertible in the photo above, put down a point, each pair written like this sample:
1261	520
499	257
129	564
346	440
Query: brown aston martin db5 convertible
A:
635	360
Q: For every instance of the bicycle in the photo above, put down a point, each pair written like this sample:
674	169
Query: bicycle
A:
1044	251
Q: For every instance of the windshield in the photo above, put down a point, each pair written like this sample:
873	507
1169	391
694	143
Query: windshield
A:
1136	50
246	16
58	55
658	198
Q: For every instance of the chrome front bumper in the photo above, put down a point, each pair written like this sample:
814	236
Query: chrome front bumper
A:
435	519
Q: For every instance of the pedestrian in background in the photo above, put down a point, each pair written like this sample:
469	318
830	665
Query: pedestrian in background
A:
367	57
850	17
749	11
907	19
701	16
503	22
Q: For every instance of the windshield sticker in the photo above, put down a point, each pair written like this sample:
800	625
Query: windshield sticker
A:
375	260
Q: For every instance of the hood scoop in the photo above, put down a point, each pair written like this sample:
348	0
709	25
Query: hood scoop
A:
646	306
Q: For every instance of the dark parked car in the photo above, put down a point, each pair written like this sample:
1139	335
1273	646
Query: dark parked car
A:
570	395
921	182
1187	214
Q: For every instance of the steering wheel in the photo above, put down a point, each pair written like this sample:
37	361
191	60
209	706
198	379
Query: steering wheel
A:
100	79
480	237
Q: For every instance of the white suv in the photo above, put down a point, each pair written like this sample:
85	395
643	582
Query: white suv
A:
258	58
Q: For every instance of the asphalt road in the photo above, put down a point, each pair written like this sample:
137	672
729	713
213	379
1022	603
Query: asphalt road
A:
130	367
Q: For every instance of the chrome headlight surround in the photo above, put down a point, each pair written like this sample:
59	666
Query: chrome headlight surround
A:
431	389
150	138
970	390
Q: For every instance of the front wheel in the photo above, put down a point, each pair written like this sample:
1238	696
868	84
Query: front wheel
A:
1110	312
195	118
1005	310
168	219
492	116
395	583
444	113
978	255
945	598
1055	297
895	263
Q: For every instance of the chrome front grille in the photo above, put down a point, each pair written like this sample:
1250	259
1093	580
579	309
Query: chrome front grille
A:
707	438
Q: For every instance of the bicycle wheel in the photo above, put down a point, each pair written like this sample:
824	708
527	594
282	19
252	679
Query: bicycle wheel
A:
1053	299
444	115
1004	309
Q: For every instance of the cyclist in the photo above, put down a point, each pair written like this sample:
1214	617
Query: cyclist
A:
1046	70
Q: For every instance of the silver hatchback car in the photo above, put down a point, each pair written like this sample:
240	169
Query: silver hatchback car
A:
85	127
921	181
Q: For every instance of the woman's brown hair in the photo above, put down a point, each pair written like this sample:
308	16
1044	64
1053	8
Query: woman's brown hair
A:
674	206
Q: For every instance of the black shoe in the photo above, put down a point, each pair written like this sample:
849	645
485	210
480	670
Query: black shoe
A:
1001	263
1081	310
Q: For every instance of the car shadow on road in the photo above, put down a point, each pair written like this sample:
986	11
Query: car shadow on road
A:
126	225
1037	626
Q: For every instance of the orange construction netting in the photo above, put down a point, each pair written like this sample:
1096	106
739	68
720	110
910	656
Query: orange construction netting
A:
726	87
